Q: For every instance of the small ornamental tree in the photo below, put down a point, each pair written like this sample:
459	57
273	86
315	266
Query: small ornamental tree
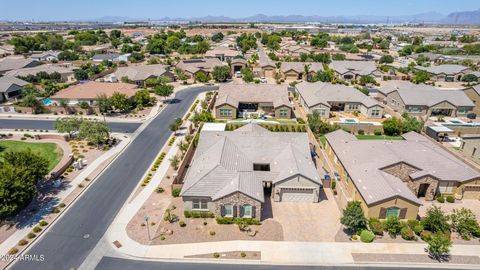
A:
435	220
221	73
69	125
353	217
439	246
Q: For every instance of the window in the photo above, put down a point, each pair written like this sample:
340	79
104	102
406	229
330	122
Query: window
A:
414	109
225	112
375	112
247	210
393	212
200	204
321	112
462	111
284	113
228	210
261	167
353	106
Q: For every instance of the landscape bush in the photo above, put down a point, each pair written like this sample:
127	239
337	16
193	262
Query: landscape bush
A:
200	214
393	226
426	235
418	229
31	235
187	214
43	223
440	199
176	192
407	233
13	251
361	132
450	199
367	236
22	242
216	255
375	226
182	223
232	220
36	229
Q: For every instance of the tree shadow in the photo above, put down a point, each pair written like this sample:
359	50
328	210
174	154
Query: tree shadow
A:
438	257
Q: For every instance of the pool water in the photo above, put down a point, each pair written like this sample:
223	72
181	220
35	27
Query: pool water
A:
47	101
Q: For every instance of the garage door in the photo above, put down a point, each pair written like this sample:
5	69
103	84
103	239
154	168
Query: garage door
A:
471	192
269	73
297	195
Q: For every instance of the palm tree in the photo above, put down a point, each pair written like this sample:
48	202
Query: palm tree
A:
306	71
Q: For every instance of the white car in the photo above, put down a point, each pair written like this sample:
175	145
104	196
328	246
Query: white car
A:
263	80
238	74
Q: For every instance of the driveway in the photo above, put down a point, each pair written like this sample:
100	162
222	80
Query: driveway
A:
308	221
473	205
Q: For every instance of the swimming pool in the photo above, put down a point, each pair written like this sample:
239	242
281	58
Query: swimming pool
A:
47	101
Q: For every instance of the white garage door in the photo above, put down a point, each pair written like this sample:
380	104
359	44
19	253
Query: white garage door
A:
297	195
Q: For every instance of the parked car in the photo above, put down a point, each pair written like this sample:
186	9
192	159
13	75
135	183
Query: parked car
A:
472	116
238	74
263	80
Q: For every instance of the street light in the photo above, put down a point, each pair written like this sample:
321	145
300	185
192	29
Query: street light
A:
146	218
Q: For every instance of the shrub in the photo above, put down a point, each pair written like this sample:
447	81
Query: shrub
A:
61	205
392	226
225	220
426	235
13	251
182	223
375	226
31	235
187	214
440	199
361	132
353	217
407	233
22	242
435	220
202	214
439	246
216	255
367	236
162	238
465	223
176	192
412	223
450	199
36	229
243	254
354	237
43	223
211	232
418	229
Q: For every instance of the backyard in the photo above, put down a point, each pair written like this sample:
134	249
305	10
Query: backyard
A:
379	137
48	150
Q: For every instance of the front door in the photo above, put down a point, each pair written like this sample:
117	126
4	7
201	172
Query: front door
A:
422	190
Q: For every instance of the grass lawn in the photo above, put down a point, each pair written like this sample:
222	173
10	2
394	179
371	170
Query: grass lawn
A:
379	137
322	140
47	150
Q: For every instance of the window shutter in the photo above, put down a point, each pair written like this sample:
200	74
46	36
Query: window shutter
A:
383	213
234	211
253	211
403	213
222	210
242	210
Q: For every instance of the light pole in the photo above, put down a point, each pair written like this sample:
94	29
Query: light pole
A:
146	218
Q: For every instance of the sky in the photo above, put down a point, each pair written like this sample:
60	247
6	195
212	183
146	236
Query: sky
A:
50	10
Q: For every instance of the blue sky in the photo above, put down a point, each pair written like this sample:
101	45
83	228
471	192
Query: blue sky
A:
90	9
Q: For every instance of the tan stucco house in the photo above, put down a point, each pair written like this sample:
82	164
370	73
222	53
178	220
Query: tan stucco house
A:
234	172
326	97
473	93
425	100
193	66
252	101
447	72
354	70
292	71
389	177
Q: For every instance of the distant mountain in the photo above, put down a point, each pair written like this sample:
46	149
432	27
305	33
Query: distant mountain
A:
465	17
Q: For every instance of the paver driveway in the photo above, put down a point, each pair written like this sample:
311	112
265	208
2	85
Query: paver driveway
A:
308	221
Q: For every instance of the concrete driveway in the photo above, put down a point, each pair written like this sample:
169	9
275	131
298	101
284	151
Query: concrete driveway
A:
309	221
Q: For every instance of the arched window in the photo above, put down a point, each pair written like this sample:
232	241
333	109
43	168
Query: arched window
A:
393	212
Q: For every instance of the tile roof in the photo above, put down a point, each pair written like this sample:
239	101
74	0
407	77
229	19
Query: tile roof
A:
221	50
140	72
7	81
426	95
365	159
223	161
91	90
11	63
234	94
299	67
361	68
48	68
447	69
324	93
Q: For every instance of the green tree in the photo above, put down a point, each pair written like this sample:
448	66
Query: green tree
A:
142	98
31	101
175	125
164	90
217	37
393	126
173	42
32	164
69	125
465	223
120	102
201	77
247	74
115	34
386	59
435	220
221	73
421	76
80	74
353	217
95	132
439	246
103	103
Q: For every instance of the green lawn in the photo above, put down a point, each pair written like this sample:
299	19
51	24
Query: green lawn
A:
379	137
47	150
322	140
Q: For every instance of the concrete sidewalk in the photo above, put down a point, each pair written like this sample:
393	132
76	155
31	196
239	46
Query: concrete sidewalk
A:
88	170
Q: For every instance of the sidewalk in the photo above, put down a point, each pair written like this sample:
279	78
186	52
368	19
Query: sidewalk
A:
86	172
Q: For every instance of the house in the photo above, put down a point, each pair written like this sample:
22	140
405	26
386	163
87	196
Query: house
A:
425	100
193	66
11	63
471	145
354	70
90	91
295	50
292	71
326	97
140	73
222	53
111	57
267	66
46	56
390	177
66	73
10	87
234	172
473	92
252	100
238	64
447	72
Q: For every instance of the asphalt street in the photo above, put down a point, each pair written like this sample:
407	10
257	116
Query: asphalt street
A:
48	125
75	234
109	263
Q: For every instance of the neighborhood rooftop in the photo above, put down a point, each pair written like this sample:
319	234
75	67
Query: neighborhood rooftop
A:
358	67
224	161
140	72
443	69
234	94
364	160
91	90
7	81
